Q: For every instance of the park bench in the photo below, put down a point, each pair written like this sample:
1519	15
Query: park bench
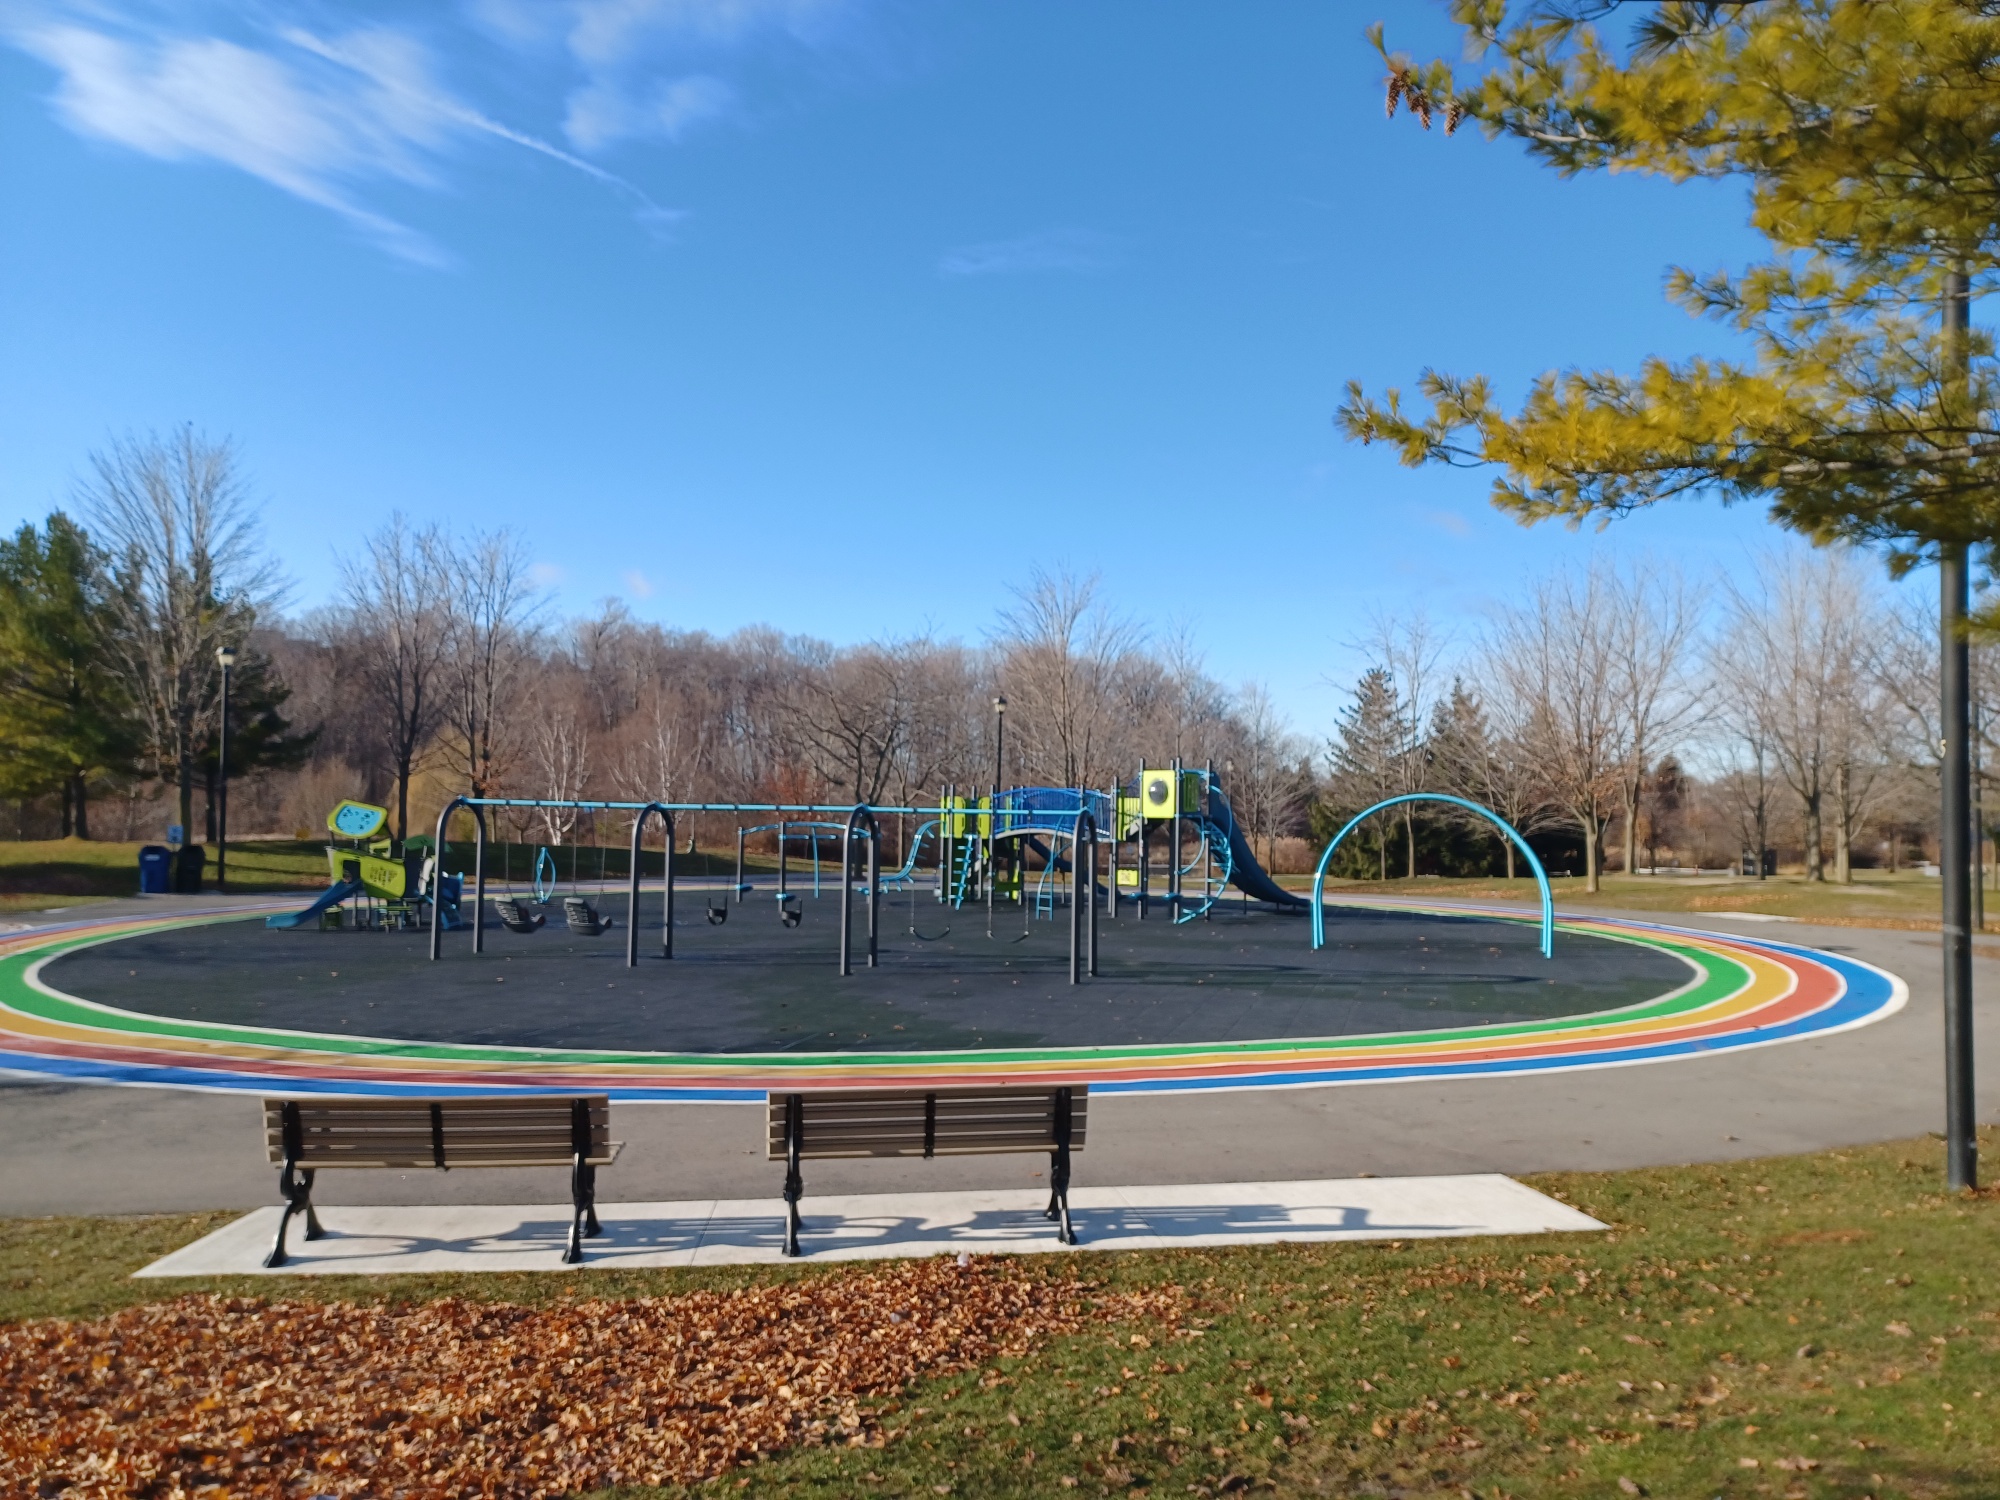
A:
526	1130
973	1121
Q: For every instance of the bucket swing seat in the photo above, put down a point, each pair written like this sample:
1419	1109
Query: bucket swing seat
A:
583	918
515	917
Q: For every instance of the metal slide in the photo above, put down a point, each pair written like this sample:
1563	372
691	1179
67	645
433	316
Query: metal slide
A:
333	896
1244	872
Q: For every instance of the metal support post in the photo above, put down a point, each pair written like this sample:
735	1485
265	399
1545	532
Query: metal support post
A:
861	815
667	906
478	878
1955	868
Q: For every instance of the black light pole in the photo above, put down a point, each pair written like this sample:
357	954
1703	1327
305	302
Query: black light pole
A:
1955	825
226	656
999	738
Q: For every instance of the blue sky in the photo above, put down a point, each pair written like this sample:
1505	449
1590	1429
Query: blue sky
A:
837	315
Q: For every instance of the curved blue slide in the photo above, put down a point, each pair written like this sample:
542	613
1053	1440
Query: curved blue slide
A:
332	897
1244	872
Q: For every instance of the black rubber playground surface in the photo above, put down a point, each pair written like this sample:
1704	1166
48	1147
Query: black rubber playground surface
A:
752	985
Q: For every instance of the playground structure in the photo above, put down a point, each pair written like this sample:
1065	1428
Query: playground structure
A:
1395	987
376	884
985	851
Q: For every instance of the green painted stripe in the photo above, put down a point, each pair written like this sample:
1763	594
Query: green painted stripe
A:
1718	978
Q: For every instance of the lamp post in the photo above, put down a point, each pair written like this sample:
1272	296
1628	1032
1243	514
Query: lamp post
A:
225	656
999	738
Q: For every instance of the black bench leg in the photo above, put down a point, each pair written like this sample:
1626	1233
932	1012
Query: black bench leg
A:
794	1190
583	1201
1058	1208
296	1185
795	1187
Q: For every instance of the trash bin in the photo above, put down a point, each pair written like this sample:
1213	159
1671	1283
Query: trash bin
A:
187	869
155	870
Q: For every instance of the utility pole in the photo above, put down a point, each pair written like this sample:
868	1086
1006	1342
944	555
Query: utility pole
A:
1955	823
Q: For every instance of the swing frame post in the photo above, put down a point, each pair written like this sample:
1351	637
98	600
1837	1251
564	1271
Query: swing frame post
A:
855	819
944	847
1145	852
478	878
739	864
1111	893
1083	895
781	862
632	920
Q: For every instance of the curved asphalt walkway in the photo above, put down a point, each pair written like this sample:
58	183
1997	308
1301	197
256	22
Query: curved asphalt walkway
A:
89	1149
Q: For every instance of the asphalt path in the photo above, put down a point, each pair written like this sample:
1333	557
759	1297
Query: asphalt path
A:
94	1149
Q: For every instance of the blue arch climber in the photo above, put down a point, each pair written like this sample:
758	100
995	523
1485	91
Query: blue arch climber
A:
1541	875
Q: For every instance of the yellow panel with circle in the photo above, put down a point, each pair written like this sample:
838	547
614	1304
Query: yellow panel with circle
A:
1159	794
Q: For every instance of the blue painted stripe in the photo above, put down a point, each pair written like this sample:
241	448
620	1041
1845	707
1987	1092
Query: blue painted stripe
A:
1866	992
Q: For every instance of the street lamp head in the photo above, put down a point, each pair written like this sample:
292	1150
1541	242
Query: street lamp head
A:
226	656
999	705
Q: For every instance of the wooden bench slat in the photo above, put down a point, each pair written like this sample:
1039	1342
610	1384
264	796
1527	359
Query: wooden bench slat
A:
478	1132
965	1121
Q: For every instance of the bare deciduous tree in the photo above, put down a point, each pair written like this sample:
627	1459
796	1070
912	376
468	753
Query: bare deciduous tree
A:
1556	658
1796	664
191	576
1653	619
1060	651
494	603
394	635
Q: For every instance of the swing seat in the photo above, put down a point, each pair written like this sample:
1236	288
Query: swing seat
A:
717	915
515	917
583	918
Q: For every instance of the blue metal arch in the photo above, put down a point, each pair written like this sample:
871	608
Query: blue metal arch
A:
1541	875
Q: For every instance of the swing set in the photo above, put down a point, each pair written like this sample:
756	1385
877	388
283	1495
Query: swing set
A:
861	833
579	915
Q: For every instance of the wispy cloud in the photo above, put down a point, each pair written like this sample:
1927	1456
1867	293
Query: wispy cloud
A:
604	113
190	98
638	585
1050	250
326	116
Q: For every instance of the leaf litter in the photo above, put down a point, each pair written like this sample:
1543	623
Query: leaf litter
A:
239	1397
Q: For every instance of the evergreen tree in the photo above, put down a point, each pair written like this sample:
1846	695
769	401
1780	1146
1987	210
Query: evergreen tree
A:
1463	759
63	718
1367	756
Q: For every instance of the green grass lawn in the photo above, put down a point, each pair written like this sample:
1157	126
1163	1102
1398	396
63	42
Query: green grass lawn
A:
34	873
1876	896
1811	1326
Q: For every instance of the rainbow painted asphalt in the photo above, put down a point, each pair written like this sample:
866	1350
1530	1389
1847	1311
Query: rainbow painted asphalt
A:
1740	992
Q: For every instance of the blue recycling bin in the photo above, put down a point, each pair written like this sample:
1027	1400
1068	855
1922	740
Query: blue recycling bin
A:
156	863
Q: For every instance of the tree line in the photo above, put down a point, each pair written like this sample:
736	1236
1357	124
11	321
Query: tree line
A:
1627	719
1619	717
437	669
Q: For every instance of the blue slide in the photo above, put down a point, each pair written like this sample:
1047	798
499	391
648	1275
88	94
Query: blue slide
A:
1244	872
333	897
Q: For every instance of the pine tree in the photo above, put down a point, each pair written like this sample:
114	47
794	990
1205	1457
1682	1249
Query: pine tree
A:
62	716
1367	755
1464	759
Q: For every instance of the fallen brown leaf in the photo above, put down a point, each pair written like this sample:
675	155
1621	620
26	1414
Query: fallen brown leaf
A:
458	1398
